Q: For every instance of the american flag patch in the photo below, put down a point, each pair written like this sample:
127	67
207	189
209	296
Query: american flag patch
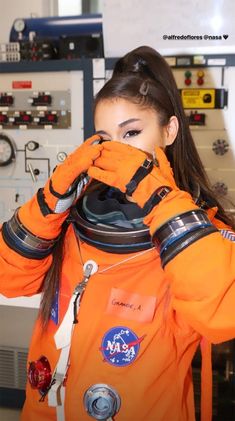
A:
230	235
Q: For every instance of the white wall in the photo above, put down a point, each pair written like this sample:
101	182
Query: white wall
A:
12	9
16	326
128	24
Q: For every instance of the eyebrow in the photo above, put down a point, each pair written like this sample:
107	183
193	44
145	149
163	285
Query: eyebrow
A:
122	124
131	120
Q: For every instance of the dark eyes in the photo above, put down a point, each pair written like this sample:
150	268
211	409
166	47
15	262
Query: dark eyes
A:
132	133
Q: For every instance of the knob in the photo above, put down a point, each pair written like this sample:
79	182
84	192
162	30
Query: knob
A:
36	171
61	156
32	145
220	146
207	98
220	188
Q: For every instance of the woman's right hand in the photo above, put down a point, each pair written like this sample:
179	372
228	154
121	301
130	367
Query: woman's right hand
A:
63	182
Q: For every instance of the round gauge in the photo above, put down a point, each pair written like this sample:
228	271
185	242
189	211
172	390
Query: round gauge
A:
7	150
61	156
19	25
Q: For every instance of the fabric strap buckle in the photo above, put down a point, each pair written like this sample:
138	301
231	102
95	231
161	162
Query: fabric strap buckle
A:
139	175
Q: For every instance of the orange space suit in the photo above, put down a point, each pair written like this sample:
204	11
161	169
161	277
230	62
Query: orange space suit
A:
138	326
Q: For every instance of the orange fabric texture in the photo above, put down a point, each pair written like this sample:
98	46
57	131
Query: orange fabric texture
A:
38	224
206	380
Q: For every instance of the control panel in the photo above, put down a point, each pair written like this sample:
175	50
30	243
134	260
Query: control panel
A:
208	94
41	122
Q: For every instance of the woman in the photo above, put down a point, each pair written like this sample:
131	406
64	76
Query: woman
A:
135	273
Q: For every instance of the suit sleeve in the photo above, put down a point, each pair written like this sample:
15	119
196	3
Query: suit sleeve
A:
20	276
203	285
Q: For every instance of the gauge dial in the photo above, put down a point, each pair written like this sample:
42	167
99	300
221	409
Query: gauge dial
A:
7	151
19	25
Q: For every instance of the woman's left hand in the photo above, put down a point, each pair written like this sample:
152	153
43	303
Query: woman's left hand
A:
118	164
156	193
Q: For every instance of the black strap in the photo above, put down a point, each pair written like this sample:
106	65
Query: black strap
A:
44	208
141	173
68	193
156	198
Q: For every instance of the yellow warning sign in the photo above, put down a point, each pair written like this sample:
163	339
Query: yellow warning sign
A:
198	98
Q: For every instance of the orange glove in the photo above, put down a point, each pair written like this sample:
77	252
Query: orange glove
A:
66	173
117	165
60	191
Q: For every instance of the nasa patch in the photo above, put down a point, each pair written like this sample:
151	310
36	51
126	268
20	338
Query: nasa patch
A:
120	346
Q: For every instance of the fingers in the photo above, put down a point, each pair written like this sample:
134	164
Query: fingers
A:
94	151
109	160
105	177
122	148
92	139
106	163
83	150
114	146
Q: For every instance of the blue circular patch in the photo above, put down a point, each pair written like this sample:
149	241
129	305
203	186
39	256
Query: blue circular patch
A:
120	346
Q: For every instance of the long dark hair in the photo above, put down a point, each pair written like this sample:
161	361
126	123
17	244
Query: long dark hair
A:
144	77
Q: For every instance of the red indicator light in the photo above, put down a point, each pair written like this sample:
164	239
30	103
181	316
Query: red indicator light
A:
200	81
197	117
3	118
50	117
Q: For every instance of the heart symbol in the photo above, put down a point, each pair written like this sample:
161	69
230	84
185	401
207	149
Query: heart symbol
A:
225	36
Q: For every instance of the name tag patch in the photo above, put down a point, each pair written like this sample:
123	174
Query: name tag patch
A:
131	306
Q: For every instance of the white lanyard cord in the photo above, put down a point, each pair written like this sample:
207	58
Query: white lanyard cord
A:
126	260
63	336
